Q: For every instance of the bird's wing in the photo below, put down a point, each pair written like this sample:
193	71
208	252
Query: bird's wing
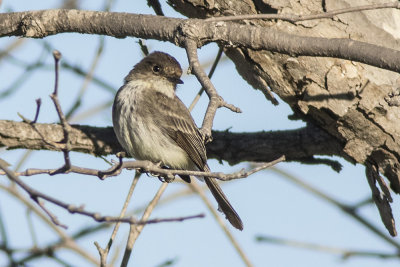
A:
182	129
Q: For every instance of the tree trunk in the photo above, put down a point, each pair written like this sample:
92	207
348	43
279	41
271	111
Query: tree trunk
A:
353	102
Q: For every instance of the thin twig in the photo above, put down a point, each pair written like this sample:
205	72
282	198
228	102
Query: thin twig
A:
196	188
136	230
95	228
104	252
65	241
52	217
296	18
36	196
57	56
75	69
149	167
345	208
216	100
11	46
366	201
210	74
346	253
65	125
88	79
4	243
25	75
91	111
38	104
29	221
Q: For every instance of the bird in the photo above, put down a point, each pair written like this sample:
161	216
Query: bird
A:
152	123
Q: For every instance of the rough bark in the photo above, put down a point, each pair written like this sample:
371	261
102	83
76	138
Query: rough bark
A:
42	23
297	145
349	100
355	104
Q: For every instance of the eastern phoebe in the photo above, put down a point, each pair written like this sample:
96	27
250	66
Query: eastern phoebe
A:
152	123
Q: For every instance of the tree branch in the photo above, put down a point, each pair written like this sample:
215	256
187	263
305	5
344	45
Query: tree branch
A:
297	145
39	24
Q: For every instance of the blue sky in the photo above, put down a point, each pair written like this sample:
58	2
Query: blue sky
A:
267	203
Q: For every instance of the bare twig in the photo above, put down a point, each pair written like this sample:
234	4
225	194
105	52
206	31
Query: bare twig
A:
75	69
52	217
38	104
32	123
210	74
296	18
91	111
88	78
345	208
11	46
65	240
196	188
91	229
65	125
147	166
136	230
216	100
29	69
57	56
345	253
31	228
36	196
366	201
104	252
4	243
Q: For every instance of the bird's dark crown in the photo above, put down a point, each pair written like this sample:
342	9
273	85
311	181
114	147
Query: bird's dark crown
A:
157	64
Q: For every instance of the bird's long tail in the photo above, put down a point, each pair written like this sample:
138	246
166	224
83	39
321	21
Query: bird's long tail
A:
223	203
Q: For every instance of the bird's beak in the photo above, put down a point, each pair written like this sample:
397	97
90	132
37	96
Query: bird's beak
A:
175	80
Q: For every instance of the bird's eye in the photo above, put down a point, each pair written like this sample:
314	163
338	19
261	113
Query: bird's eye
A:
156	68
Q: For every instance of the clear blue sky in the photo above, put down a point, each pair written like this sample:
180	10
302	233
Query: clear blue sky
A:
267	203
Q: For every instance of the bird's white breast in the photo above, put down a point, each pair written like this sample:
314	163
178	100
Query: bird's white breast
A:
141	137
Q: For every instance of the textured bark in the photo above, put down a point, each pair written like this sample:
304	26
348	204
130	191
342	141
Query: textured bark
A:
349	100
357	105
353	102
42	23
297	145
